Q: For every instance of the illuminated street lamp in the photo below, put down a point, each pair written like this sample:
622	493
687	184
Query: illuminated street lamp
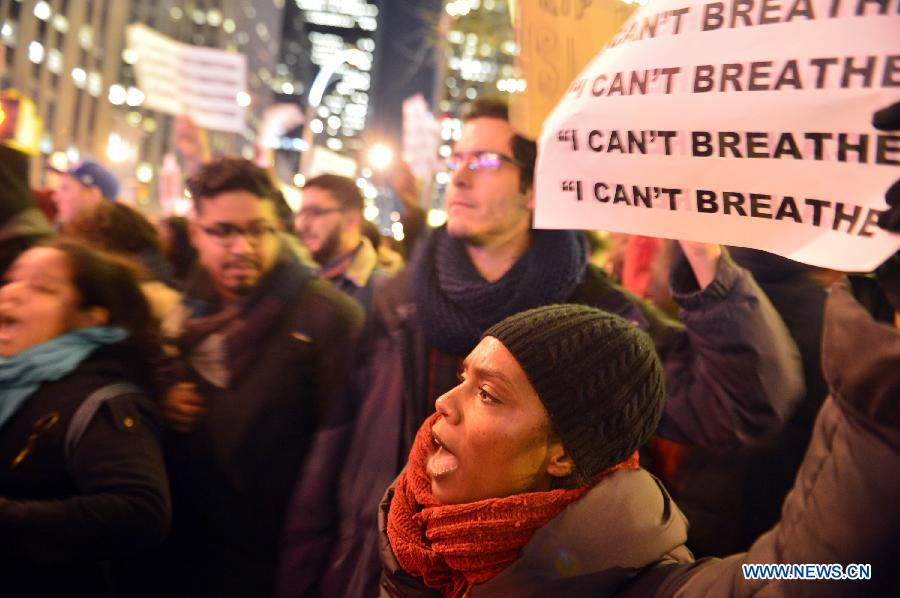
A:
380	157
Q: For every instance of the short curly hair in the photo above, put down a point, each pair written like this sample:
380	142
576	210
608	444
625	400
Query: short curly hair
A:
343	189
231	174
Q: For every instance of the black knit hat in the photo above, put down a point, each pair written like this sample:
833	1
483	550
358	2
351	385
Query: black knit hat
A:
597	374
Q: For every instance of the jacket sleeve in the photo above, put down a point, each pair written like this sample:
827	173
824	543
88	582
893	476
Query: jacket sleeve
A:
733	372
123	505
842	509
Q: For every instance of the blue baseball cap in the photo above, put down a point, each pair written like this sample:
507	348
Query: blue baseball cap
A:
90	174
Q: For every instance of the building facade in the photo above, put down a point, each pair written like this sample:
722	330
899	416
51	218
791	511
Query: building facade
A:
328	55
71	58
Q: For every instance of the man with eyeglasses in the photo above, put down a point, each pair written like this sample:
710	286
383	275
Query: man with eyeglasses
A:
329	223
264	354
732	370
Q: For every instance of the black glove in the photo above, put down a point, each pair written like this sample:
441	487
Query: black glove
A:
888	119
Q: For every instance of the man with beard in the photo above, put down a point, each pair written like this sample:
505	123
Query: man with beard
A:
264	353
329	223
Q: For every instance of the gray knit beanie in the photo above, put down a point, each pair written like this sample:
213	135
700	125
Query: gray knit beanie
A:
597	374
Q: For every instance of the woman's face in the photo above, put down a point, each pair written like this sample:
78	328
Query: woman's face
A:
38	301
493	438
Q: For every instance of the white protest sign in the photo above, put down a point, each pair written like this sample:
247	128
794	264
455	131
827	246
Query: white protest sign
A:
176	78
743	122
421	138
325	161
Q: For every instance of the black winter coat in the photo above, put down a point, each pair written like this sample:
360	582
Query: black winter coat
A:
233	477
67	525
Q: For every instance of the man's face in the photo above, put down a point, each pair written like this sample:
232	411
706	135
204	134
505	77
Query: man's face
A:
236	262
321	224
493	438
72	197
486	206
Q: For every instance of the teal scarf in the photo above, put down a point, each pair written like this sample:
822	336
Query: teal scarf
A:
23	373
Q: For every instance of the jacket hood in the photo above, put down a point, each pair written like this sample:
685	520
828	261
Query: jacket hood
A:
599	543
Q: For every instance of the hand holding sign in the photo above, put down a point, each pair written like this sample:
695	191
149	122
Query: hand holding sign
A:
888	119
704	260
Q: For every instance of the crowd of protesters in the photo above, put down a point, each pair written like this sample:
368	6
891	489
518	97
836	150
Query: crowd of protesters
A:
250	402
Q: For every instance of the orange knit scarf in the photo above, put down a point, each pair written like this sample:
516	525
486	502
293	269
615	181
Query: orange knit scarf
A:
453	547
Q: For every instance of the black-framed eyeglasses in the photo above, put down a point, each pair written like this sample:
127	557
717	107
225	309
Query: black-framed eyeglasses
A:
225	233
483	160
316	212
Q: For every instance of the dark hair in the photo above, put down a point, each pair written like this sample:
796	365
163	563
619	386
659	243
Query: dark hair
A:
343	189
523	149
371	232
230	174
283	211
181	254
116	228
103	280
43	198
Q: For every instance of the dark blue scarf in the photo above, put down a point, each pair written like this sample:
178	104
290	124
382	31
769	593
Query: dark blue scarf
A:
455	305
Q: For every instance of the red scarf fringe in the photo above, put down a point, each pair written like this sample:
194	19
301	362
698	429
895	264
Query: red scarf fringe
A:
453	547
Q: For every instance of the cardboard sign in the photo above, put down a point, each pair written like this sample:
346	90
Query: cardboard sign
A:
556	39
177	78
742	122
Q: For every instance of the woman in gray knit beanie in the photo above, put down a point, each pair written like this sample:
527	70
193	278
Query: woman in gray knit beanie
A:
597	375
552	405
526	481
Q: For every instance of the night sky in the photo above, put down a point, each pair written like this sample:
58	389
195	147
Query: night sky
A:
405	62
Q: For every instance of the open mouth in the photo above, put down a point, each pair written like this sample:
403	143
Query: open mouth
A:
442	462
9	326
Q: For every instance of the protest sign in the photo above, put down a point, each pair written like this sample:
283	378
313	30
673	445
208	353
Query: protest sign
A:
421	138
556	39
743	122
325	161
180	79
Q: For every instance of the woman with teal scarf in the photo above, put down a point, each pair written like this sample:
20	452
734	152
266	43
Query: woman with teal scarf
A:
83	488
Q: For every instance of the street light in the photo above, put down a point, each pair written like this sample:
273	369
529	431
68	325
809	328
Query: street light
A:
380	156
